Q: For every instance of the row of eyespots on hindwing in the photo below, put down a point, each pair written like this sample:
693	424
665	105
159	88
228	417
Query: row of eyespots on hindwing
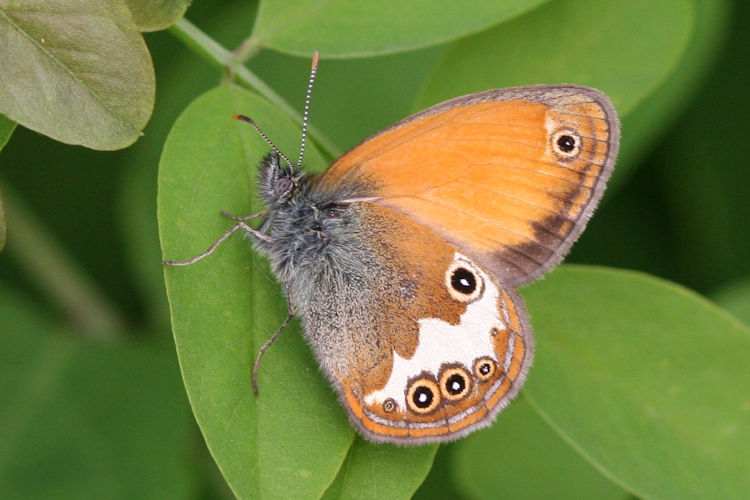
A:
425	393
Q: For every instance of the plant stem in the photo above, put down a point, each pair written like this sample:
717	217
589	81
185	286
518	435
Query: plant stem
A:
247	50
206	47
57	275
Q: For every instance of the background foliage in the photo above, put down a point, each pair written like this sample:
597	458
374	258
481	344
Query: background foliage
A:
639	388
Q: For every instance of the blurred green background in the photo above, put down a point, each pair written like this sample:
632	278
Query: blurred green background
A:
679	213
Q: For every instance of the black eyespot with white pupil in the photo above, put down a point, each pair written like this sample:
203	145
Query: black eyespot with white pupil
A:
463	281
484	368
566	143
455	384
422	397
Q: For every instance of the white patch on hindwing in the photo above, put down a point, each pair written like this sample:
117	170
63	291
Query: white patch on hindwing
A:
443	343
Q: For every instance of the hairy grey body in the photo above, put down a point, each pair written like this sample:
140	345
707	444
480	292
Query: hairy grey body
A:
319	249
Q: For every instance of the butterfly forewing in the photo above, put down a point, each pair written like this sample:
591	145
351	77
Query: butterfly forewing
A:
509	176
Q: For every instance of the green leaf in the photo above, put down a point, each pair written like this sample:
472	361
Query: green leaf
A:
339	28
381	471
291	439
644	125
440	481
75	70
85	420
517	440
624	47
646	379
154	15
6	130
702	175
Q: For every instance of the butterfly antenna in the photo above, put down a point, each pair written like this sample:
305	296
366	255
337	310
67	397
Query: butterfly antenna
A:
249	120
306	114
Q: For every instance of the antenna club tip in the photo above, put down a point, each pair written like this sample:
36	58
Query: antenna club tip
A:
242	118
315	59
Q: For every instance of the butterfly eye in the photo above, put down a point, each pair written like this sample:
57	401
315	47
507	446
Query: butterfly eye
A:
463	281
423	396
484	368
455	383
566	144
283	186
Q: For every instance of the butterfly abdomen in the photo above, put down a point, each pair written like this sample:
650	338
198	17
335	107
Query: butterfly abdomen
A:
333	274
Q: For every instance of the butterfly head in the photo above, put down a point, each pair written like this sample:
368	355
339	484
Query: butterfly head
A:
279	184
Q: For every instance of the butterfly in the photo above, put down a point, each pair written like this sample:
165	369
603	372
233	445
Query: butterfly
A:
402	260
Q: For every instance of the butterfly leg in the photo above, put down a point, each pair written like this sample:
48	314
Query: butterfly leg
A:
244	217
240	225
271	340
260	233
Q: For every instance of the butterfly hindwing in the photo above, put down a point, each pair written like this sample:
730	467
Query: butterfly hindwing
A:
422	344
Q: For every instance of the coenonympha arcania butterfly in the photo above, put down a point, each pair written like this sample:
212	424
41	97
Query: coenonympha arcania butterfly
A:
402	259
